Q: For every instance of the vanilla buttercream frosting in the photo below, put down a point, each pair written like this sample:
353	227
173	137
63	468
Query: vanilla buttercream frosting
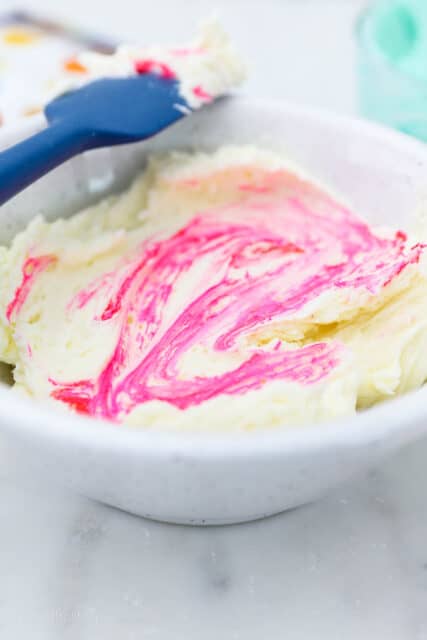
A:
223	290
206	68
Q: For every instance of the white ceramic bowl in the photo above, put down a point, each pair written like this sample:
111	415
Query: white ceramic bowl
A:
218	478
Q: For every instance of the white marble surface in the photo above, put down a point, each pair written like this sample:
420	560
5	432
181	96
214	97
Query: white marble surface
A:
352	566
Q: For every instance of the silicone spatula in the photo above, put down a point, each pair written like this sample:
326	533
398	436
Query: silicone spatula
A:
99	114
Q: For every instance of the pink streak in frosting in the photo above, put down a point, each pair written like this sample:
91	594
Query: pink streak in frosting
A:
200	93
31	268
238	269
154	66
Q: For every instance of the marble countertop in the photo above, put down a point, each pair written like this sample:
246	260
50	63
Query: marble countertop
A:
351	566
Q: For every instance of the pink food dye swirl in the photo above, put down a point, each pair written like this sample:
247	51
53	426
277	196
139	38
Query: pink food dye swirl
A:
227	274
31	269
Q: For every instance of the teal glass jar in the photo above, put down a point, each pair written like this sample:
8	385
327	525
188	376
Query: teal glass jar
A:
392	65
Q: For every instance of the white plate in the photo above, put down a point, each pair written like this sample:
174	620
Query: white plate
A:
216	478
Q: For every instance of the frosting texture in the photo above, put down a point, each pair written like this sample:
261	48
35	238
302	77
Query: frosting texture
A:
224	290
205	69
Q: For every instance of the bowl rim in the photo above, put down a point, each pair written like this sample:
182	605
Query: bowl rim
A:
404	416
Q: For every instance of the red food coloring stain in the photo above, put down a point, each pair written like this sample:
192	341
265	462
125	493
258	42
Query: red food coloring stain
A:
200	93
154	66
74	397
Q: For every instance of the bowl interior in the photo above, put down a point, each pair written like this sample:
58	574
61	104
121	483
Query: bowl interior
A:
381	174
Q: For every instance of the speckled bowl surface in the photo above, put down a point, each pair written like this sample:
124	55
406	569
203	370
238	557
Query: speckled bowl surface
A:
218	478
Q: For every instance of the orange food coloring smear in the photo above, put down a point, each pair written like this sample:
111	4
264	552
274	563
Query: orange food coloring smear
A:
74	66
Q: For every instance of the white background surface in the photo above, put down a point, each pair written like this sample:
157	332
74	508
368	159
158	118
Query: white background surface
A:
296	49
352	566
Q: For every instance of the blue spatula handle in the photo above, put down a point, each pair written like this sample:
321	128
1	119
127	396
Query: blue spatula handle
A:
31	159
104	112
